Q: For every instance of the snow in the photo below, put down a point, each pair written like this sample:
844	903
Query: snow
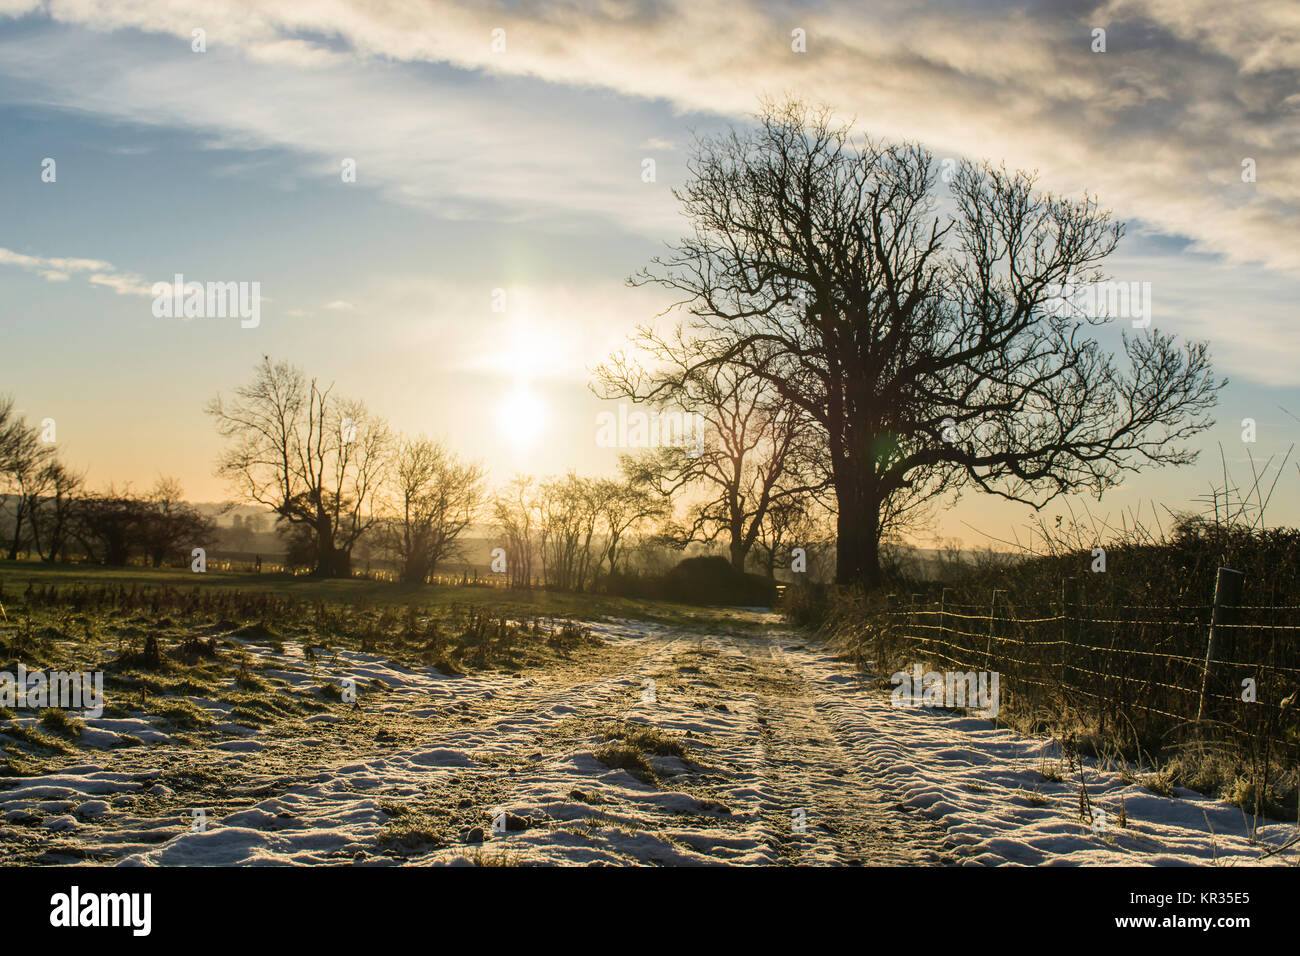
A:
987	787
773	727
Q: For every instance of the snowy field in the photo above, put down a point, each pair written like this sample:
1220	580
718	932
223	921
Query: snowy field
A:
657	748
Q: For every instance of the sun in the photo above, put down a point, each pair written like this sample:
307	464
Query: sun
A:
520	417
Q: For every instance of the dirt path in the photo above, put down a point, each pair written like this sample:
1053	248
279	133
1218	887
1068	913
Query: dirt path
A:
811	768
421	774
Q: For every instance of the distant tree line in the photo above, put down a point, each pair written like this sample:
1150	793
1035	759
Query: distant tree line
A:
337	477
47	511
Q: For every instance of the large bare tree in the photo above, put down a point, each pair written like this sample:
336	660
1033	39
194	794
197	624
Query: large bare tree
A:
930	349
314	459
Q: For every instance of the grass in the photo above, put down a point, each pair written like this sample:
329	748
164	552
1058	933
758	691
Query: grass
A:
156	639
1123	686
1160	783
15	576
1032	797
619	756
192	651
481	857
16	766
182	713
34	738
61	722
1052	771
644	739
626	747
410	830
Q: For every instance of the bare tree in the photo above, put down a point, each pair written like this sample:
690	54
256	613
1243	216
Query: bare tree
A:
623	507
932	355
436	497
794	522
53	514
12	431
515	511
23	476
171	526
316	460
568	514
754	450
109	525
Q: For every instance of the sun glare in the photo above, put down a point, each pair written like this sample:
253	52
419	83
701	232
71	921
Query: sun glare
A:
520	417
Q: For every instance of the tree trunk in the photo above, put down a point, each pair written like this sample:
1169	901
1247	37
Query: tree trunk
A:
416	570
331	562
612	554
857	548
738	550
18	527
116	552
337	563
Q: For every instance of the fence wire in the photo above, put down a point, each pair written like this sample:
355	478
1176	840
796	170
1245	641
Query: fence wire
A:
1153	669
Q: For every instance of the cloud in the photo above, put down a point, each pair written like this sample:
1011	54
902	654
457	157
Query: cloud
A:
1245	312
58	269
123	284
554	128
462	148
1157	125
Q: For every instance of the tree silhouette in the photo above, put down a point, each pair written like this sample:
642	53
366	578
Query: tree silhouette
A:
435	498
932	355
314	459
751	451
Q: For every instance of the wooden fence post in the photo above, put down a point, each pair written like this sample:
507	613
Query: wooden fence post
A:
943	617
1227	610
993	615
1069	599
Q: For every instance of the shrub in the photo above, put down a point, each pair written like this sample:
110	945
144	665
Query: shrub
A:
712	580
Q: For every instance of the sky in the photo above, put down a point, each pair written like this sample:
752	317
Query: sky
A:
500	147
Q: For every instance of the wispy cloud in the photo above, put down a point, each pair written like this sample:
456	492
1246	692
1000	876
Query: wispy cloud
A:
60	269
1158	124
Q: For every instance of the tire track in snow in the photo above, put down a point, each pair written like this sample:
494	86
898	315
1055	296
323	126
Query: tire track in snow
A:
864	823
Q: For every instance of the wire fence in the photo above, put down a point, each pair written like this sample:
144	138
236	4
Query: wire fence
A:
1154	669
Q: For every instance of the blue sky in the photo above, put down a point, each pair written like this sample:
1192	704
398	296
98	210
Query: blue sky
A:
521	170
